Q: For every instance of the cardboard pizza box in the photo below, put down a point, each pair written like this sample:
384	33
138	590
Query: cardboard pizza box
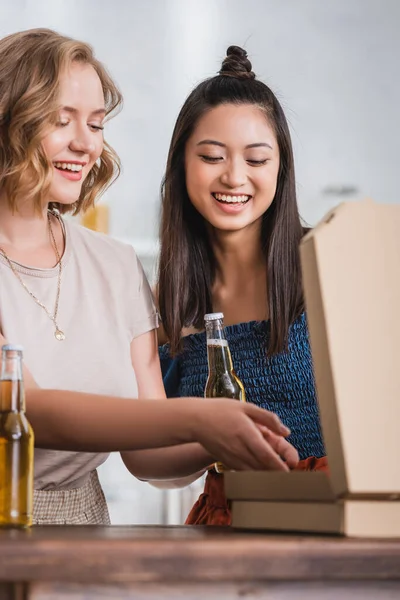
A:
351	274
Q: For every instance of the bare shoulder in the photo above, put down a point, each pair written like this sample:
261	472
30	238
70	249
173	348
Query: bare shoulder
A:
161	335
189	331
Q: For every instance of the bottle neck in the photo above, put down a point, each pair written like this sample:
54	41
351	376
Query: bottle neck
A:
218	353
219	357
12	398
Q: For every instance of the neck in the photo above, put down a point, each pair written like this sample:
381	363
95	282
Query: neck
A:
24	228
239	255
25	236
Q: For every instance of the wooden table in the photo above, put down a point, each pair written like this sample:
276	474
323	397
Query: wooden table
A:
86	563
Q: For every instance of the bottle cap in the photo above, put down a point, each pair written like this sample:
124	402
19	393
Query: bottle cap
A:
12	347
213	316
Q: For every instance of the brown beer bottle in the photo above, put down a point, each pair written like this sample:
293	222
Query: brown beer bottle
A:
222	381
16	444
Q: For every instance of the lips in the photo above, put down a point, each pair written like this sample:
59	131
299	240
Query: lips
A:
231	204
71	175
69	166
225	198
71	170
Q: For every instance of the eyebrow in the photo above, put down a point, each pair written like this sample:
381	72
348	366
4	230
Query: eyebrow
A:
70	109
221	145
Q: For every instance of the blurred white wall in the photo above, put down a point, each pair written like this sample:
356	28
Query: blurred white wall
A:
332	63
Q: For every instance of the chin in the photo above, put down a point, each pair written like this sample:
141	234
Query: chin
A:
229	225
64	199
69	201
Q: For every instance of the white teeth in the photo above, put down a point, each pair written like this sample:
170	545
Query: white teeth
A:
68	166
231	199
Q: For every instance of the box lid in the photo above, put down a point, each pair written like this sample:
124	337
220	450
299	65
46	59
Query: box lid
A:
351	275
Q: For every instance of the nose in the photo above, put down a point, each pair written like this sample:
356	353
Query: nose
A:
235	174
82	141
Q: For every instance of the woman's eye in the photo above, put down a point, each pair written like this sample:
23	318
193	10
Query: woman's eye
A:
211	159
97	127
257	163
62	123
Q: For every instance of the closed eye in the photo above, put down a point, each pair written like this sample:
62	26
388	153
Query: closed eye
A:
210	159
257	163
97	127
215	159
93	127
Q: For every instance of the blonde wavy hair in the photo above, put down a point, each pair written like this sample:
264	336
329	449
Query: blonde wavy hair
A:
30	66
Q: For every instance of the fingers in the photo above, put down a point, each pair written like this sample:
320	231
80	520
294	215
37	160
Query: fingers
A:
250	438
249	450
281	446
266	455
256	452
267	418
236	456
264	449
272	459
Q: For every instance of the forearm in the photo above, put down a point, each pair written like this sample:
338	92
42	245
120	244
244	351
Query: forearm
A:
64	420
187	461
169	484
238	434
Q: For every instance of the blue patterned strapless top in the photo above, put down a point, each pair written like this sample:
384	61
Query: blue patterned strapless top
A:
283	384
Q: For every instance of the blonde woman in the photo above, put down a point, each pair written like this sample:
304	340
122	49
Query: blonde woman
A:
80	304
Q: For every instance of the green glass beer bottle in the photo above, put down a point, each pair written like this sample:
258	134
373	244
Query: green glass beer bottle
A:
16	444
222	381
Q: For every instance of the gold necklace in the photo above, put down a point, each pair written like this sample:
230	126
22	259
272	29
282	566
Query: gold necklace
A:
58	334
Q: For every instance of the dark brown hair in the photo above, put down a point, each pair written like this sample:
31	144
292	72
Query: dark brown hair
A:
187	264
30	66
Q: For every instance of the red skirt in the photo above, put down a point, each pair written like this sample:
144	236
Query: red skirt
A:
212	507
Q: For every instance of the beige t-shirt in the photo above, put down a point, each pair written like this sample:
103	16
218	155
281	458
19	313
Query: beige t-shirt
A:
105	302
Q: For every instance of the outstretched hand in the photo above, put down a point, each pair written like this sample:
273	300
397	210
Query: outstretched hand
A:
243	436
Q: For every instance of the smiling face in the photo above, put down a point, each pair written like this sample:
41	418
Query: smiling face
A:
232	164
76	141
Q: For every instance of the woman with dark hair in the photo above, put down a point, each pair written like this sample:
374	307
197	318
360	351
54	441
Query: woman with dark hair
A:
230	232
79	302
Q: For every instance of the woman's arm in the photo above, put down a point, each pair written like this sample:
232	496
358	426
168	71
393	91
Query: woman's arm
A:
230	431
235	433
162	467
183	464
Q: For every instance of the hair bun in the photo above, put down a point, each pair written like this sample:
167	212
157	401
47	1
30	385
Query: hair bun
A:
236	64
